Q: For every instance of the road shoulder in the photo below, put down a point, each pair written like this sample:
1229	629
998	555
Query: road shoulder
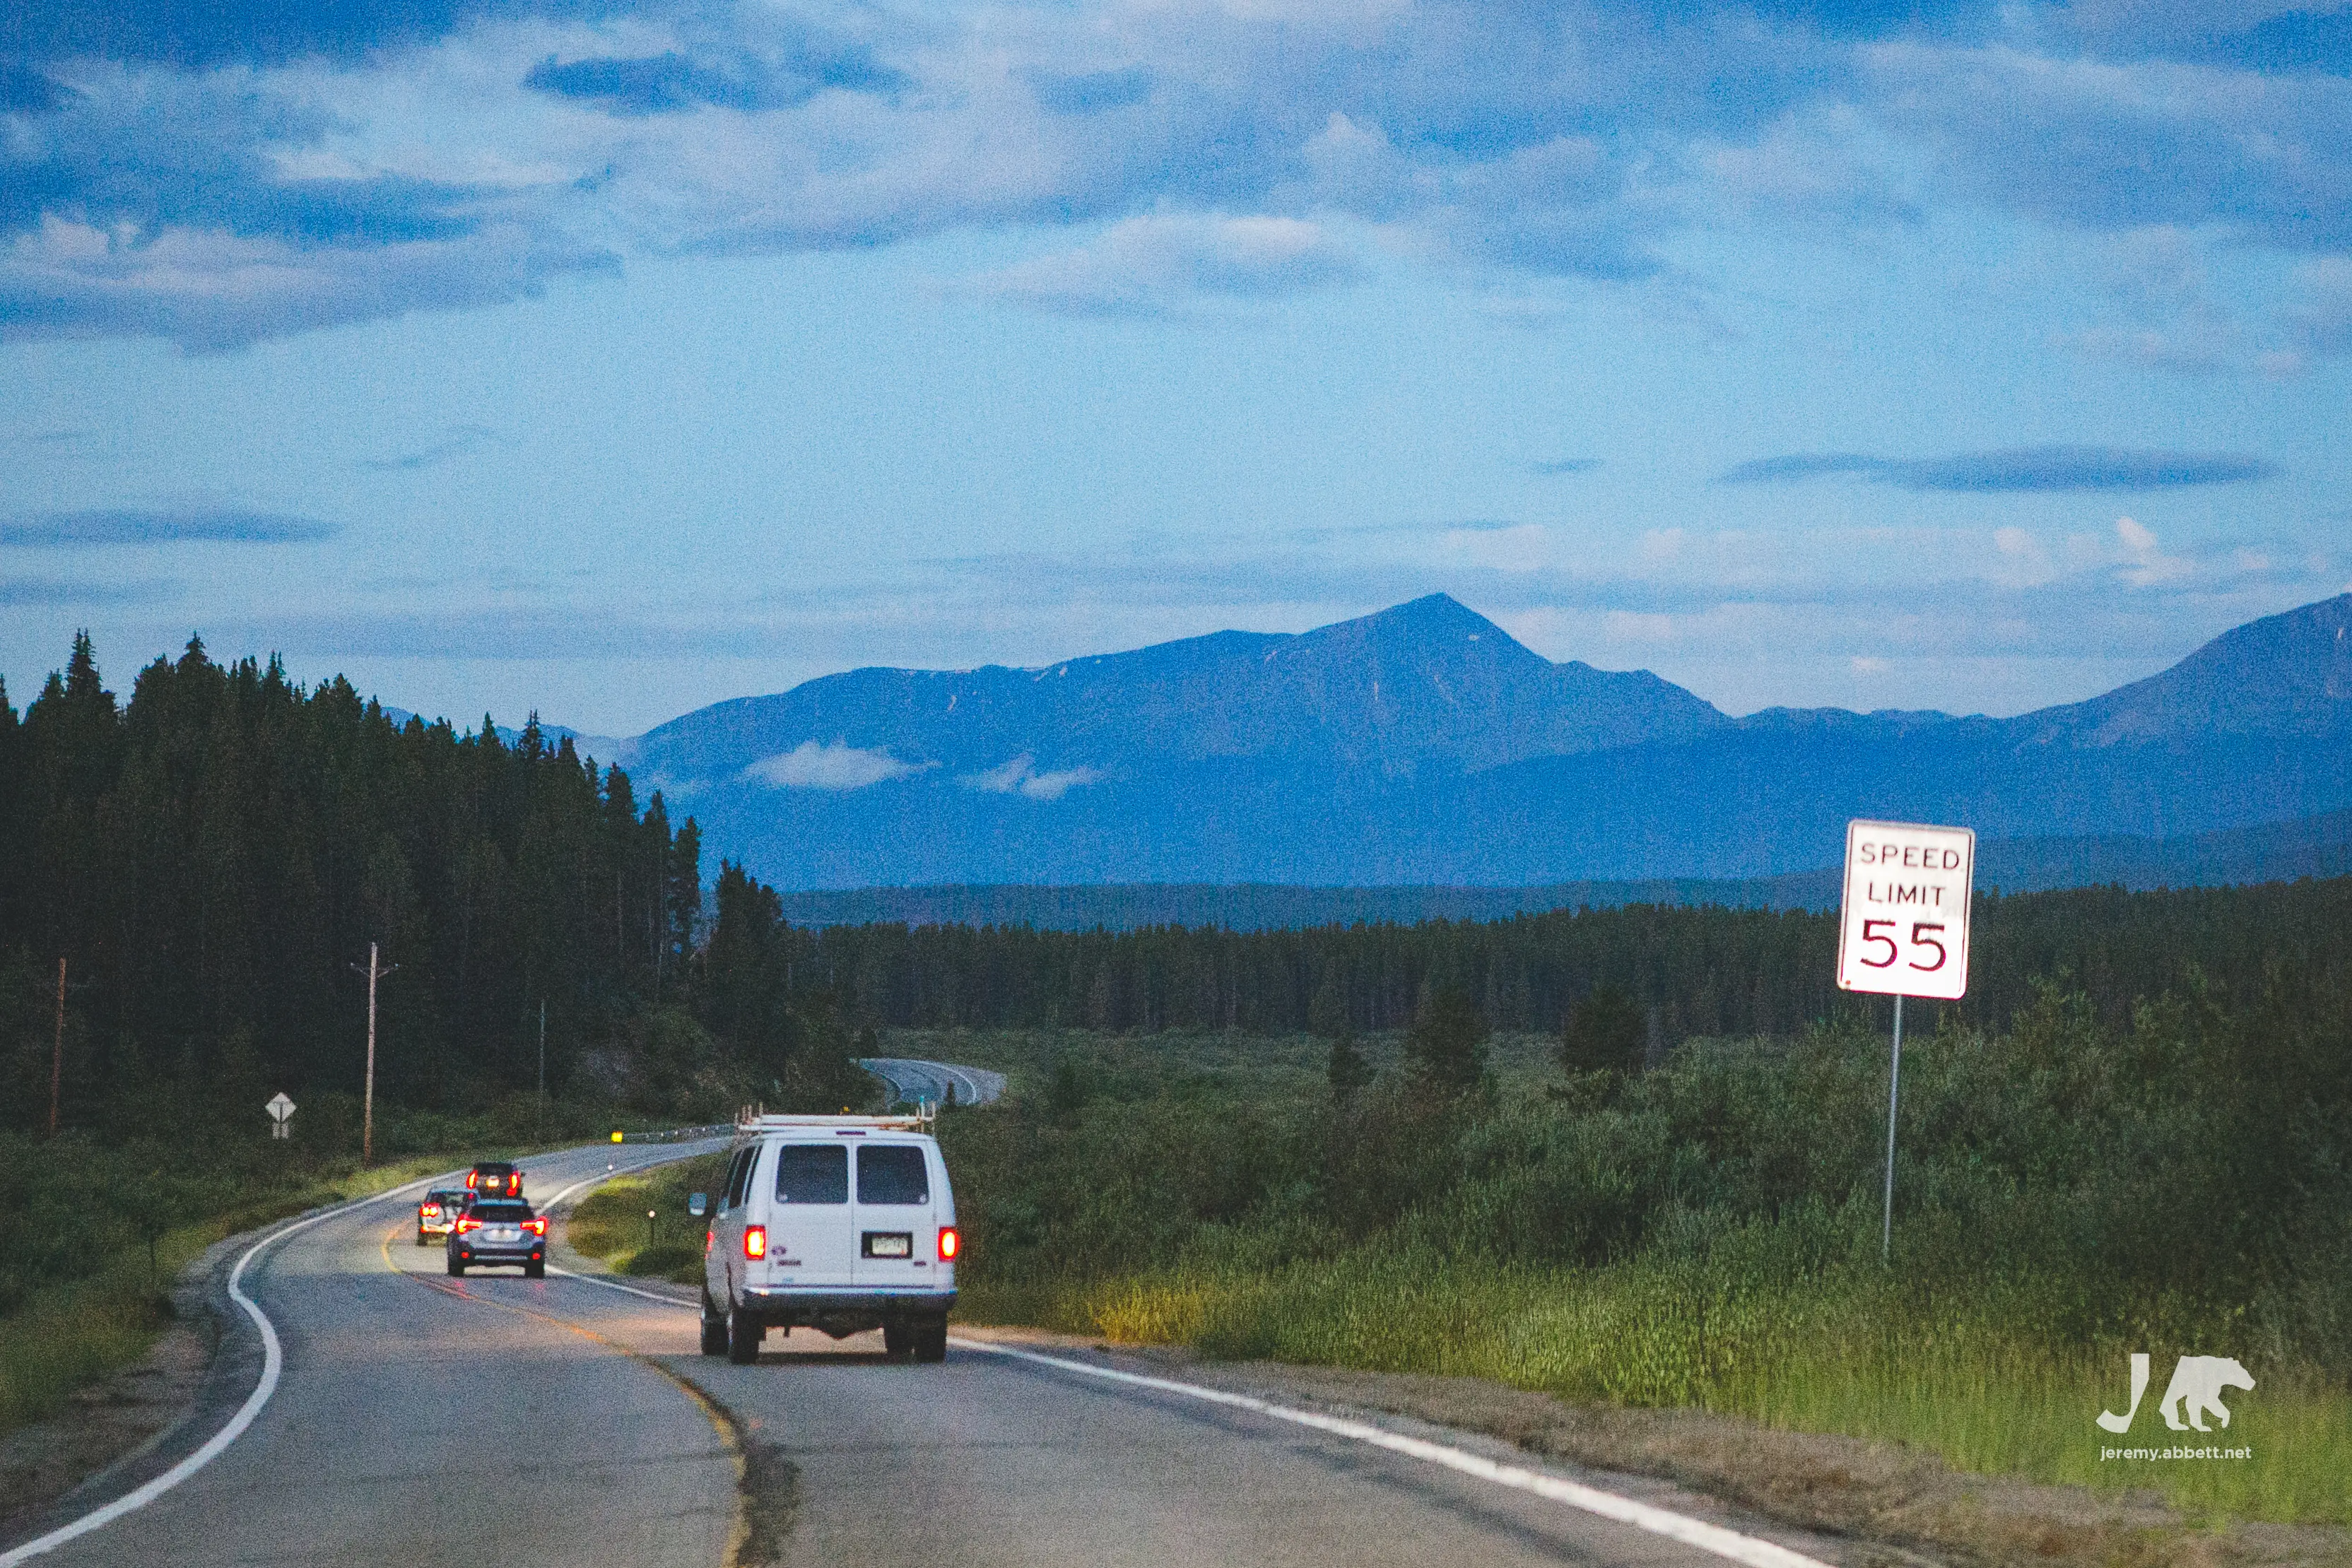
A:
1882	1503
123	1430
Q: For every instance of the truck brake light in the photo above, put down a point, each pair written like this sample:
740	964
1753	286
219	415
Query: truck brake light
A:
755	1241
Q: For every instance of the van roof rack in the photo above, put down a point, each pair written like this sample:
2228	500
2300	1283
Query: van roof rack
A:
753	1119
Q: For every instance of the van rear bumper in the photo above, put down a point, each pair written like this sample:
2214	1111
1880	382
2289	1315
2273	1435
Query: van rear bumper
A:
780	1305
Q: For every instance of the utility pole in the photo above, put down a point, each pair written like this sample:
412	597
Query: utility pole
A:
367	1100
540	1130
57	1050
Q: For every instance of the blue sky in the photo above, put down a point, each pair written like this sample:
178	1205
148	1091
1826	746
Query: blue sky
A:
611	360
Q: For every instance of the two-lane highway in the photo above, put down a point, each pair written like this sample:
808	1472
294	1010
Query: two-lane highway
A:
425	1420
457	1424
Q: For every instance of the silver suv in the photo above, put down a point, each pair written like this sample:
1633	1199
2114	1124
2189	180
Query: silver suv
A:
495	1230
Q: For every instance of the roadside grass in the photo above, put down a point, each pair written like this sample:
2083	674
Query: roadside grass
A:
1703	1235
1847	1351
64	1335
610	1223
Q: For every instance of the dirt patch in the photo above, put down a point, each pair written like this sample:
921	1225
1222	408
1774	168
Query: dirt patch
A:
1880	1493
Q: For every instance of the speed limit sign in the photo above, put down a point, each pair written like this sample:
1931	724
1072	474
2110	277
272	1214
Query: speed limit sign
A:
1904	930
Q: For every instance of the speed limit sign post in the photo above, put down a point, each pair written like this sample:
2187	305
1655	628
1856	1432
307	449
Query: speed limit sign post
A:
1902	930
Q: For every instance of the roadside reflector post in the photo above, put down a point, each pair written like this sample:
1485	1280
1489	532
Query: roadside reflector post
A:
1902	930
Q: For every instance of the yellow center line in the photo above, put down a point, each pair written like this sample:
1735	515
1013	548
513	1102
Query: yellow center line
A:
721	1419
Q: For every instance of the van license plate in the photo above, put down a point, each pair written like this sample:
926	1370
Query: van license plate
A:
889	1244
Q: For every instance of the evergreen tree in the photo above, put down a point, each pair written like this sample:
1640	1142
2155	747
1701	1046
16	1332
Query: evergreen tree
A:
1445	1048
1604	1032
1327	1015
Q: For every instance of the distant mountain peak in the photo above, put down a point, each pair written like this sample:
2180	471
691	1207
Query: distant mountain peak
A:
1434	619
1426	683
2289	674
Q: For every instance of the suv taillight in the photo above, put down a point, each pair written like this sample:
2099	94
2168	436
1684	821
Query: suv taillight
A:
536	1227
755	1241
467	1222
951	1243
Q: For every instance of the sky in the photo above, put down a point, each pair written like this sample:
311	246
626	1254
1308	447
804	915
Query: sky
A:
607	359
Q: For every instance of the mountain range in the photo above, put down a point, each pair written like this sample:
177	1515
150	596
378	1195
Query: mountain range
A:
1425	747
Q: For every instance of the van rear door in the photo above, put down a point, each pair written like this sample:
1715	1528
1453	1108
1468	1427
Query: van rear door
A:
897	1240
809	1237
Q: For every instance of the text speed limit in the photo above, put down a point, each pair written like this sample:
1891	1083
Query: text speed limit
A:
1904	927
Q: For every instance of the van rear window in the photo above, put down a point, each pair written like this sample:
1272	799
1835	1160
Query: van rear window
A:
811	1173
887	1174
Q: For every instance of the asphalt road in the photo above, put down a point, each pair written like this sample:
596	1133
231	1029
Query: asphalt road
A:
915	1080
423	1420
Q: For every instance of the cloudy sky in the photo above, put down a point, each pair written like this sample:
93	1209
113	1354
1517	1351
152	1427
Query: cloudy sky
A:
613	358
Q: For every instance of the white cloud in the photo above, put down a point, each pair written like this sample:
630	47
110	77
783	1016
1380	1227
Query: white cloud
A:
837	766
1020	777
1149	266
2149	564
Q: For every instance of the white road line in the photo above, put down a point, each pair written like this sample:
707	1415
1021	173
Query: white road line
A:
273	1362
611	1285
1748	1550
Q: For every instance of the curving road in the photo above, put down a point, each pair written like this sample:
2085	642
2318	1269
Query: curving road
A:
423	1420
911	1079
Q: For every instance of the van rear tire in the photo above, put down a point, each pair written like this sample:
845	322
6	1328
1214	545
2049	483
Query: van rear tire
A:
714	1329
897	1340
931	1342
743	1332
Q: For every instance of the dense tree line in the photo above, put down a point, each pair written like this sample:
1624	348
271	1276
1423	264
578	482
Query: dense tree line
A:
1686	971
212	858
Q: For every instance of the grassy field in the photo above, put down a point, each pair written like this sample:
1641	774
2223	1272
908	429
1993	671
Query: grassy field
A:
1706	1237
610	1223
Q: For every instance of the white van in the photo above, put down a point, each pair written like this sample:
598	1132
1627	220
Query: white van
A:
837	1223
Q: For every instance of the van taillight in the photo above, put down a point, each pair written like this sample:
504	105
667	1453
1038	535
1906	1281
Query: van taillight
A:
951	1243
755	1241
706	1242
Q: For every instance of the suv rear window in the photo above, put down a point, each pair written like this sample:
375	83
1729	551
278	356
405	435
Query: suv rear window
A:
892	1174
811	1173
